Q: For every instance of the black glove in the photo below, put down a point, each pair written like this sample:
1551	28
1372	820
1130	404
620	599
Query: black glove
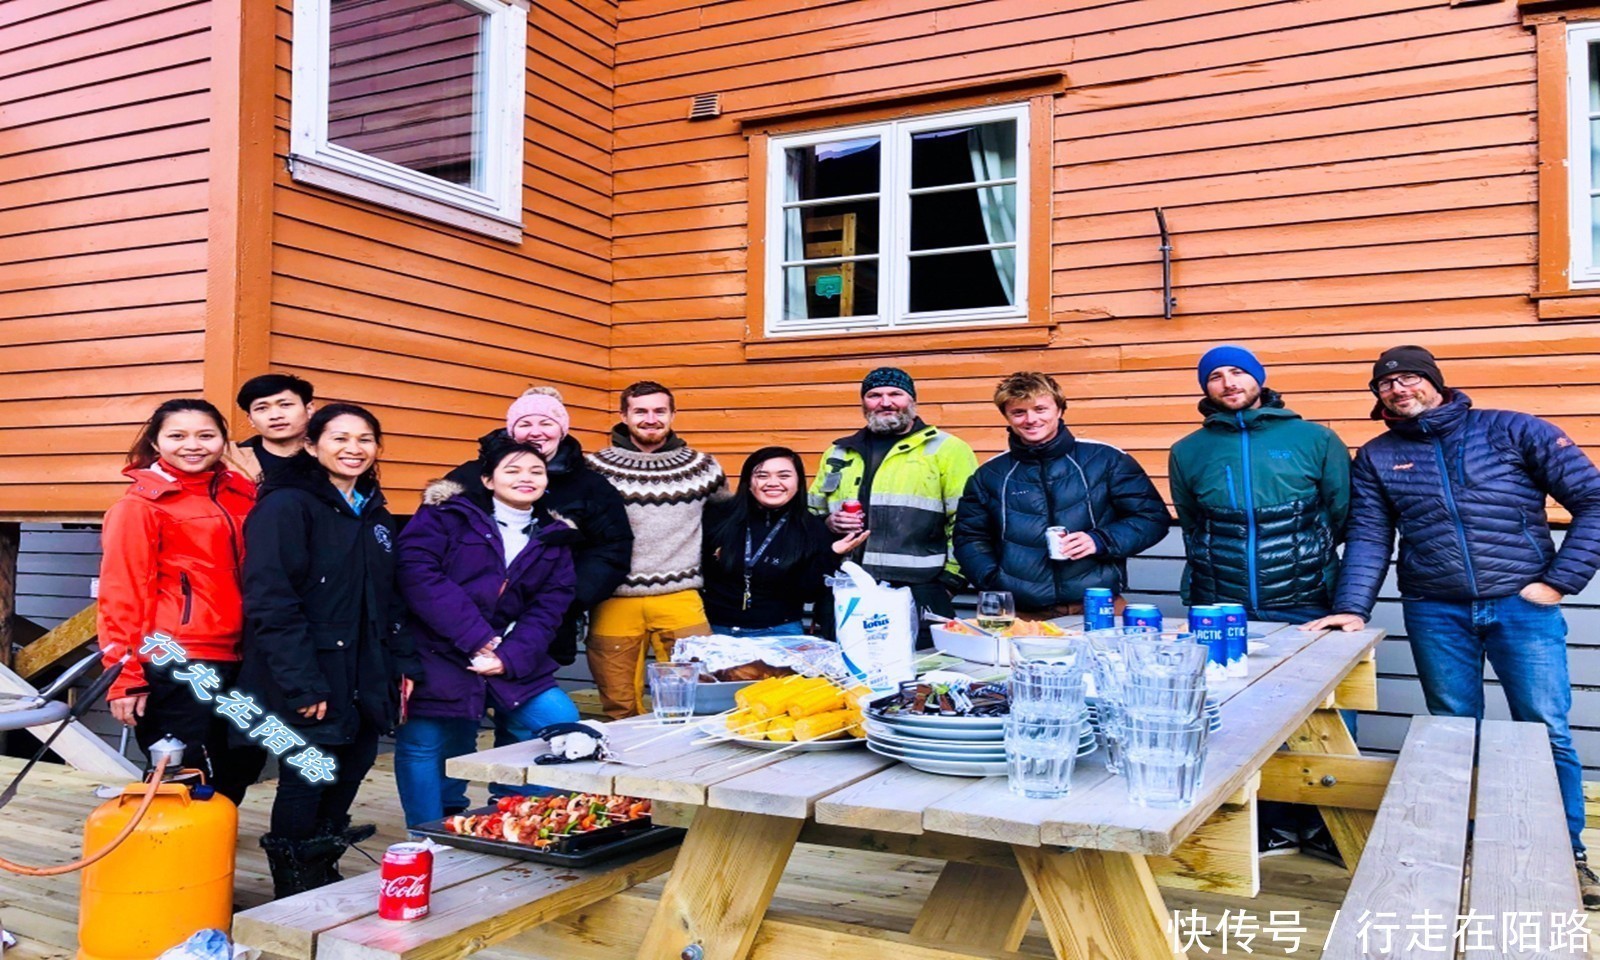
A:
564	646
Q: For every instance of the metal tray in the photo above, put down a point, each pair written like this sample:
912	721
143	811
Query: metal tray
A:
630	836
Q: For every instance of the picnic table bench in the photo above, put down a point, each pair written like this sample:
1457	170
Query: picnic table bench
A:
478	900
1440	849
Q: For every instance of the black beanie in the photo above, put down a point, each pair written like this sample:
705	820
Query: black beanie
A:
889	377
1407	359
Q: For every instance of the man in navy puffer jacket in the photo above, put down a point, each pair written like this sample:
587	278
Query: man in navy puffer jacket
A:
1099	494
1479	573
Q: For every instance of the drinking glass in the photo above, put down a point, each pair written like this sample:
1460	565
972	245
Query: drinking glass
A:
1173	657
672	687
1161	696
1163	759
1047	714
997	610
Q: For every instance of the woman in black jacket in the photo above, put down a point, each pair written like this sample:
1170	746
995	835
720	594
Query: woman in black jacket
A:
604	550
323	651
763	554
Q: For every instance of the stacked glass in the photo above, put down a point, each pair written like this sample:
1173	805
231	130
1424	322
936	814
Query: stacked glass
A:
1047	714
1163	723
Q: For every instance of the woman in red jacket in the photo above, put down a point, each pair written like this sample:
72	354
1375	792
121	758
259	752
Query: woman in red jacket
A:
169	587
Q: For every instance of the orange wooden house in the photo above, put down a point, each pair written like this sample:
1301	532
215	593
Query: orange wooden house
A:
425	205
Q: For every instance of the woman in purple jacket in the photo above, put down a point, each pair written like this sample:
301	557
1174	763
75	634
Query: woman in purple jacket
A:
487	577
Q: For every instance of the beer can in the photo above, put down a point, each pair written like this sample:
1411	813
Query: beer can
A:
1205	622
1052	542
1236	631
1141	615
1099	609
850	506
407	879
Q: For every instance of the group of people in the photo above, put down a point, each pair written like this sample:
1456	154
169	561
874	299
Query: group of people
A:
275	561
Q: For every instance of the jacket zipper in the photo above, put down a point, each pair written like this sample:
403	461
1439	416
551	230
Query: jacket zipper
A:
188	597
1249	515
1450	503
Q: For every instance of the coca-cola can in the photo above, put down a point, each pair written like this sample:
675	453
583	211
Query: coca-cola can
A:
407	879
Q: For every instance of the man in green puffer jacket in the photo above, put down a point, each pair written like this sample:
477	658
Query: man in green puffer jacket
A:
1262	498
1261	495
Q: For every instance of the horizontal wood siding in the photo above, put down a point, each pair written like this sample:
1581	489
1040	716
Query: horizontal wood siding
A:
1153	578
103	198
1339	175
436	328
56	569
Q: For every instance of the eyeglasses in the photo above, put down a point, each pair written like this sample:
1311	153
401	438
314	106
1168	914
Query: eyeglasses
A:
1407	380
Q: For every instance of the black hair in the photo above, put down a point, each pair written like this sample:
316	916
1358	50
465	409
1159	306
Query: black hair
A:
328	413
727	522
271	384
144	450
645	388
497	447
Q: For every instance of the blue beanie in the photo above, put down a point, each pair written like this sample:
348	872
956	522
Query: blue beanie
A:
1229	355
889	377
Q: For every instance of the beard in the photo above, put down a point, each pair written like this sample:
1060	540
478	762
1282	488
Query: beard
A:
892	423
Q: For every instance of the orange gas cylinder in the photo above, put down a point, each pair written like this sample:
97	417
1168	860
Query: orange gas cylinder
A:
171	877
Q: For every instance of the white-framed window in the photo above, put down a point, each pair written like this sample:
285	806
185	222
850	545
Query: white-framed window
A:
1583	152
909	223
414	103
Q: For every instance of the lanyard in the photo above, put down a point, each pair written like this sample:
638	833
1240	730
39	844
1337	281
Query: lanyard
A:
751	559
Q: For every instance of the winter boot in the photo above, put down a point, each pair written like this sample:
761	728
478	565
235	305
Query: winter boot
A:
299	865
337	831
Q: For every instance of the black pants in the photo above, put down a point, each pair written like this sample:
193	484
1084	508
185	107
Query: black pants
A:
173	709
300	804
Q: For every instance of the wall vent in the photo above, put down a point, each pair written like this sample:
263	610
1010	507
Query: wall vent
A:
705	106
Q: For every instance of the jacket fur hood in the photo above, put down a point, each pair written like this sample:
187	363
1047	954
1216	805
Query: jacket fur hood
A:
438	491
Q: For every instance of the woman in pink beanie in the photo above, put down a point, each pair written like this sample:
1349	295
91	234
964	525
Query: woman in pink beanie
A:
604	551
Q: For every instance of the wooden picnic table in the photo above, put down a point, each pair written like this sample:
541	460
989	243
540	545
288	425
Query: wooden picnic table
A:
1089	863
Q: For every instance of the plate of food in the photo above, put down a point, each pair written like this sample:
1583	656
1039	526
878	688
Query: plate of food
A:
802	714
944	701
571	829
960	639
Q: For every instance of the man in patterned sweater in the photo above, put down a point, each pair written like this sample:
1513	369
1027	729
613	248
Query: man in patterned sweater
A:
664	485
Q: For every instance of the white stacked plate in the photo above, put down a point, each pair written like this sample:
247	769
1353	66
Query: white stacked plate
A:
954	746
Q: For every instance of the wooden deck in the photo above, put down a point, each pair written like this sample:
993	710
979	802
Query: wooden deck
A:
879	890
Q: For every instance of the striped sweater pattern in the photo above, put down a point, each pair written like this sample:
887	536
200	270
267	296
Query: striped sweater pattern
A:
664	493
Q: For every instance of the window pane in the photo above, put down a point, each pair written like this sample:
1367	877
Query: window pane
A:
402	79
964	218
831	230
834	290
967	154
1594	78
1594	231
963	281
843	168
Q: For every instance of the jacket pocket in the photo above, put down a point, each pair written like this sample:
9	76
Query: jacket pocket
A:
188	596
1533	542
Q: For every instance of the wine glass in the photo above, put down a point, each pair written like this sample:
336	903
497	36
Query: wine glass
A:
997	610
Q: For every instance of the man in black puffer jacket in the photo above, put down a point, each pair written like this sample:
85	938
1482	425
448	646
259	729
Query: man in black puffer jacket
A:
1479	573
1103	498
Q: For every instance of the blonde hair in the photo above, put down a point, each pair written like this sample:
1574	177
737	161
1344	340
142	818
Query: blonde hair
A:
1025	386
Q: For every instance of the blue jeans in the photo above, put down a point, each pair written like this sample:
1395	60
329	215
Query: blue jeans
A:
423	744
1527	645
793	628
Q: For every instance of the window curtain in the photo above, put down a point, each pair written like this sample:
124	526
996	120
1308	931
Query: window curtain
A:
794	280
986	147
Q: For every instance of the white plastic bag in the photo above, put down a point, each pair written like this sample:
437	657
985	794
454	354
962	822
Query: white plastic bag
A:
876	627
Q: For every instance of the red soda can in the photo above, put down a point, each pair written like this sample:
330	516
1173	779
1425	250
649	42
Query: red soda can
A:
850	506
407	879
